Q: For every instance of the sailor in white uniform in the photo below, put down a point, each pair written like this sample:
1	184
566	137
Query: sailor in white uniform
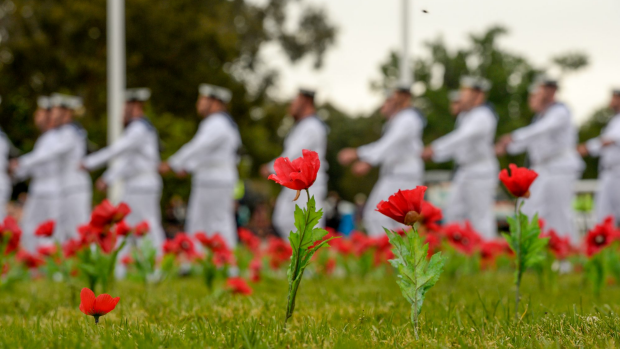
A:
310	133
607	148
134	160
550	142
5	181
69	149
471	146
211	157
44	189
397	152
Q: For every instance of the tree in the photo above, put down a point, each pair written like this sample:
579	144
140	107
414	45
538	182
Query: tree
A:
172	46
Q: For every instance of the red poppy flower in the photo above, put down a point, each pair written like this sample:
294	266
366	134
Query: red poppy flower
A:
299	174
106	214
214	243
47	250
279	251
105	238
223	257
122	228
519	181
255	267
360	243
601	236
431	215
71	247
490	250
559	246
248	238
434	244
142	228
127	260
464	239
31	261
182	244
405	206
45	229
97	306
11	229
238	286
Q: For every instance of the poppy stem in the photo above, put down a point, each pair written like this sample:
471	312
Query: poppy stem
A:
519	261
96	320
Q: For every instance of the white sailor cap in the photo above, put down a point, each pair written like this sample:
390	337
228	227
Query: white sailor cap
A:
219	93
616	91
476	83
66	101
454	95
543	80
137	94
43	102
307	92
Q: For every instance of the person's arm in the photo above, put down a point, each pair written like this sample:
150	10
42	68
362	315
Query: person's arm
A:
445	147
131	138
208	136
611	135
402	129
553	120
60	144
119	170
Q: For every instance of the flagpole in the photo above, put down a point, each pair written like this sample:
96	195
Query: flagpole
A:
405	69
116	77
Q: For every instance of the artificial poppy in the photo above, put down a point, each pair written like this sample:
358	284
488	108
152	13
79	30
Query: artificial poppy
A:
45	229
299	174
431	215
238	285
96	306
519	180
601	236
404	206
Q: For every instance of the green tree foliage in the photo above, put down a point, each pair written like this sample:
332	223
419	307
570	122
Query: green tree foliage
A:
591	129
172	46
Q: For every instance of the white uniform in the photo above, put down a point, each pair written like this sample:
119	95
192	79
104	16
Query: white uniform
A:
608	196
398	153
136	155
5	181
473	188
550	142
211	157
76	191
309	133
45	186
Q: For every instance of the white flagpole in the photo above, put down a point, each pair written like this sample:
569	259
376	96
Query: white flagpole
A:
405	69
116	77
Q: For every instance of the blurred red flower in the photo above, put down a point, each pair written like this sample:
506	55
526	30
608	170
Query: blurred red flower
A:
255	267
299	174
405	206
215	243
31	261
559	246
490	250
431	215
127	260
279	251
518	181
122	228
601	236
463	238
434	244
47	250
10	230
45	229
142	228
97	306
106	214
238	285
248	238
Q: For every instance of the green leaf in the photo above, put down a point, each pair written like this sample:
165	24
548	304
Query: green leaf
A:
525	241
303	245
416	274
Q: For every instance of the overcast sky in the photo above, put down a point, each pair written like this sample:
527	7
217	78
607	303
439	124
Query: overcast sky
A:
538	29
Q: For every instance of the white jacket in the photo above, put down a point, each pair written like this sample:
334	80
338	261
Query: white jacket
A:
211	156
609	155
136	155
41	166
399	148
471	144
550	141
5	145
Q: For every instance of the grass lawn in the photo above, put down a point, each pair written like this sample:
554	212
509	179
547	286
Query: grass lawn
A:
467	311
